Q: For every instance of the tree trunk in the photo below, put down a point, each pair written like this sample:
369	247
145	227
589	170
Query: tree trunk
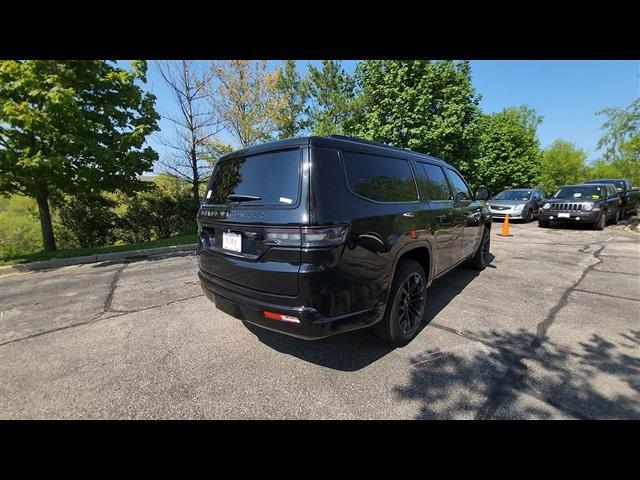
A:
42	197
196	179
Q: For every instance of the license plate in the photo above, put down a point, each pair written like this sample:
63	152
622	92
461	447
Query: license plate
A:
232	241
564	215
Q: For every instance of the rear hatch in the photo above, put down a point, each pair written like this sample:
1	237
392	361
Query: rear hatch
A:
254	207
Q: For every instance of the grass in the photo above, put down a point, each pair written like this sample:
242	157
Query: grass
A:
181	239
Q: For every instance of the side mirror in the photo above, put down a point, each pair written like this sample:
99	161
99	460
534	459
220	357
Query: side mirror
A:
482	193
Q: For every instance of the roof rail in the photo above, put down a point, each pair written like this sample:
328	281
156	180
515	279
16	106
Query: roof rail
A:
377	144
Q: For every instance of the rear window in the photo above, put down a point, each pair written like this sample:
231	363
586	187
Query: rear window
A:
272	178
383	179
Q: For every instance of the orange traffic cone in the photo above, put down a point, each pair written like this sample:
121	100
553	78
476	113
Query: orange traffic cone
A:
505	227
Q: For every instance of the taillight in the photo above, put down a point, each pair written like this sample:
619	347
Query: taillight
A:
307	237
323	237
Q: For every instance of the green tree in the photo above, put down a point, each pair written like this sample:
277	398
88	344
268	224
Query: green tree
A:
291	97
562	163
621	141
509	150
331	91
72	127
425	106
244	100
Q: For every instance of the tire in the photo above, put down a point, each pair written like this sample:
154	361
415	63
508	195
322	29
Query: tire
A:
601	222
543	223
529	217
480	259
401	322
616	218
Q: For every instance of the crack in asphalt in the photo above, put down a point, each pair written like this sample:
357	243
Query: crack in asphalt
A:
514	377
121	313
112	289
617	273
609	295
106	309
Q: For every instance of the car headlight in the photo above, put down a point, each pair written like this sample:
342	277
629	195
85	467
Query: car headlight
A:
546	206
518	208
587	207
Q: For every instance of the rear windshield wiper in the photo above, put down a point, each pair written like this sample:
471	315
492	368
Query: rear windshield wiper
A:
243	198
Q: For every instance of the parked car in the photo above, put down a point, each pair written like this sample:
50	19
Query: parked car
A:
320	235
629	196
596	204
518	203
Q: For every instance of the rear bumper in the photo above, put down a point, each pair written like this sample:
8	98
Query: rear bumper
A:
312	324
574	217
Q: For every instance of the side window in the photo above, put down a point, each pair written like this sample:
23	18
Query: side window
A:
459	185
436	186
384	179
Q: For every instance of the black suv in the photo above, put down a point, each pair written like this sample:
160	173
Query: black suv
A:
593	203
320	235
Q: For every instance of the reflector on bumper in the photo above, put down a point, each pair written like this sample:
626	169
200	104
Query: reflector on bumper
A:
283	318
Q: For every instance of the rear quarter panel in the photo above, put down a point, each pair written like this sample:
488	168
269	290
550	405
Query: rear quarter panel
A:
377	232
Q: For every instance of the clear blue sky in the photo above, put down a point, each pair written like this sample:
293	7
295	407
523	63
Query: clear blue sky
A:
566	93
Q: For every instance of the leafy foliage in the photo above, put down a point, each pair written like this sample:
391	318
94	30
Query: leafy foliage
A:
244	100
425	106
331	92
509	150
291	97
164	210
562	164
89	220
72	127
621	142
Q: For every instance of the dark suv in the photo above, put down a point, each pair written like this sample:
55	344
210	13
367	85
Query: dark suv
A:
594	203
320	235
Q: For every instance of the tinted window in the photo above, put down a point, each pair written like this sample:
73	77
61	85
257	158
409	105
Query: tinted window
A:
583	192
384	179
436	187
460	187
274	177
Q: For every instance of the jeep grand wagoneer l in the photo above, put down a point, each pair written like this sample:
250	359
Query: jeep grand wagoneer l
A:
320	235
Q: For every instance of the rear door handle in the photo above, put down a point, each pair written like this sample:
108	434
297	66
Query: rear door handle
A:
441	218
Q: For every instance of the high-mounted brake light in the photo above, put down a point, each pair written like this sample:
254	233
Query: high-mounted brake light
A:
283	318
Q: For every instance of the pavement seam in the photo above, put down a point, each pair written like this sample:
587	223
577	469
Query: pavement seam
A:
607	295
513	378
617	273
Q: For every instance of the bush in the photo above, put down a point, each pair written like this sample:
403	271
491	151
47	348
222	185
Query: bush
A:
87	220
163	211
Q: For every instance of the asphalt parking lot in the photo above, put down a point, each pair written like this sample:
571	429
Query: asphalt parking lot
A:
550	330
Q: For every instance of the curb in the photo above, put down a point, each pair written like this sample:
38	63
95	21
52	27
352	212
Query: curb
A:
96	258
